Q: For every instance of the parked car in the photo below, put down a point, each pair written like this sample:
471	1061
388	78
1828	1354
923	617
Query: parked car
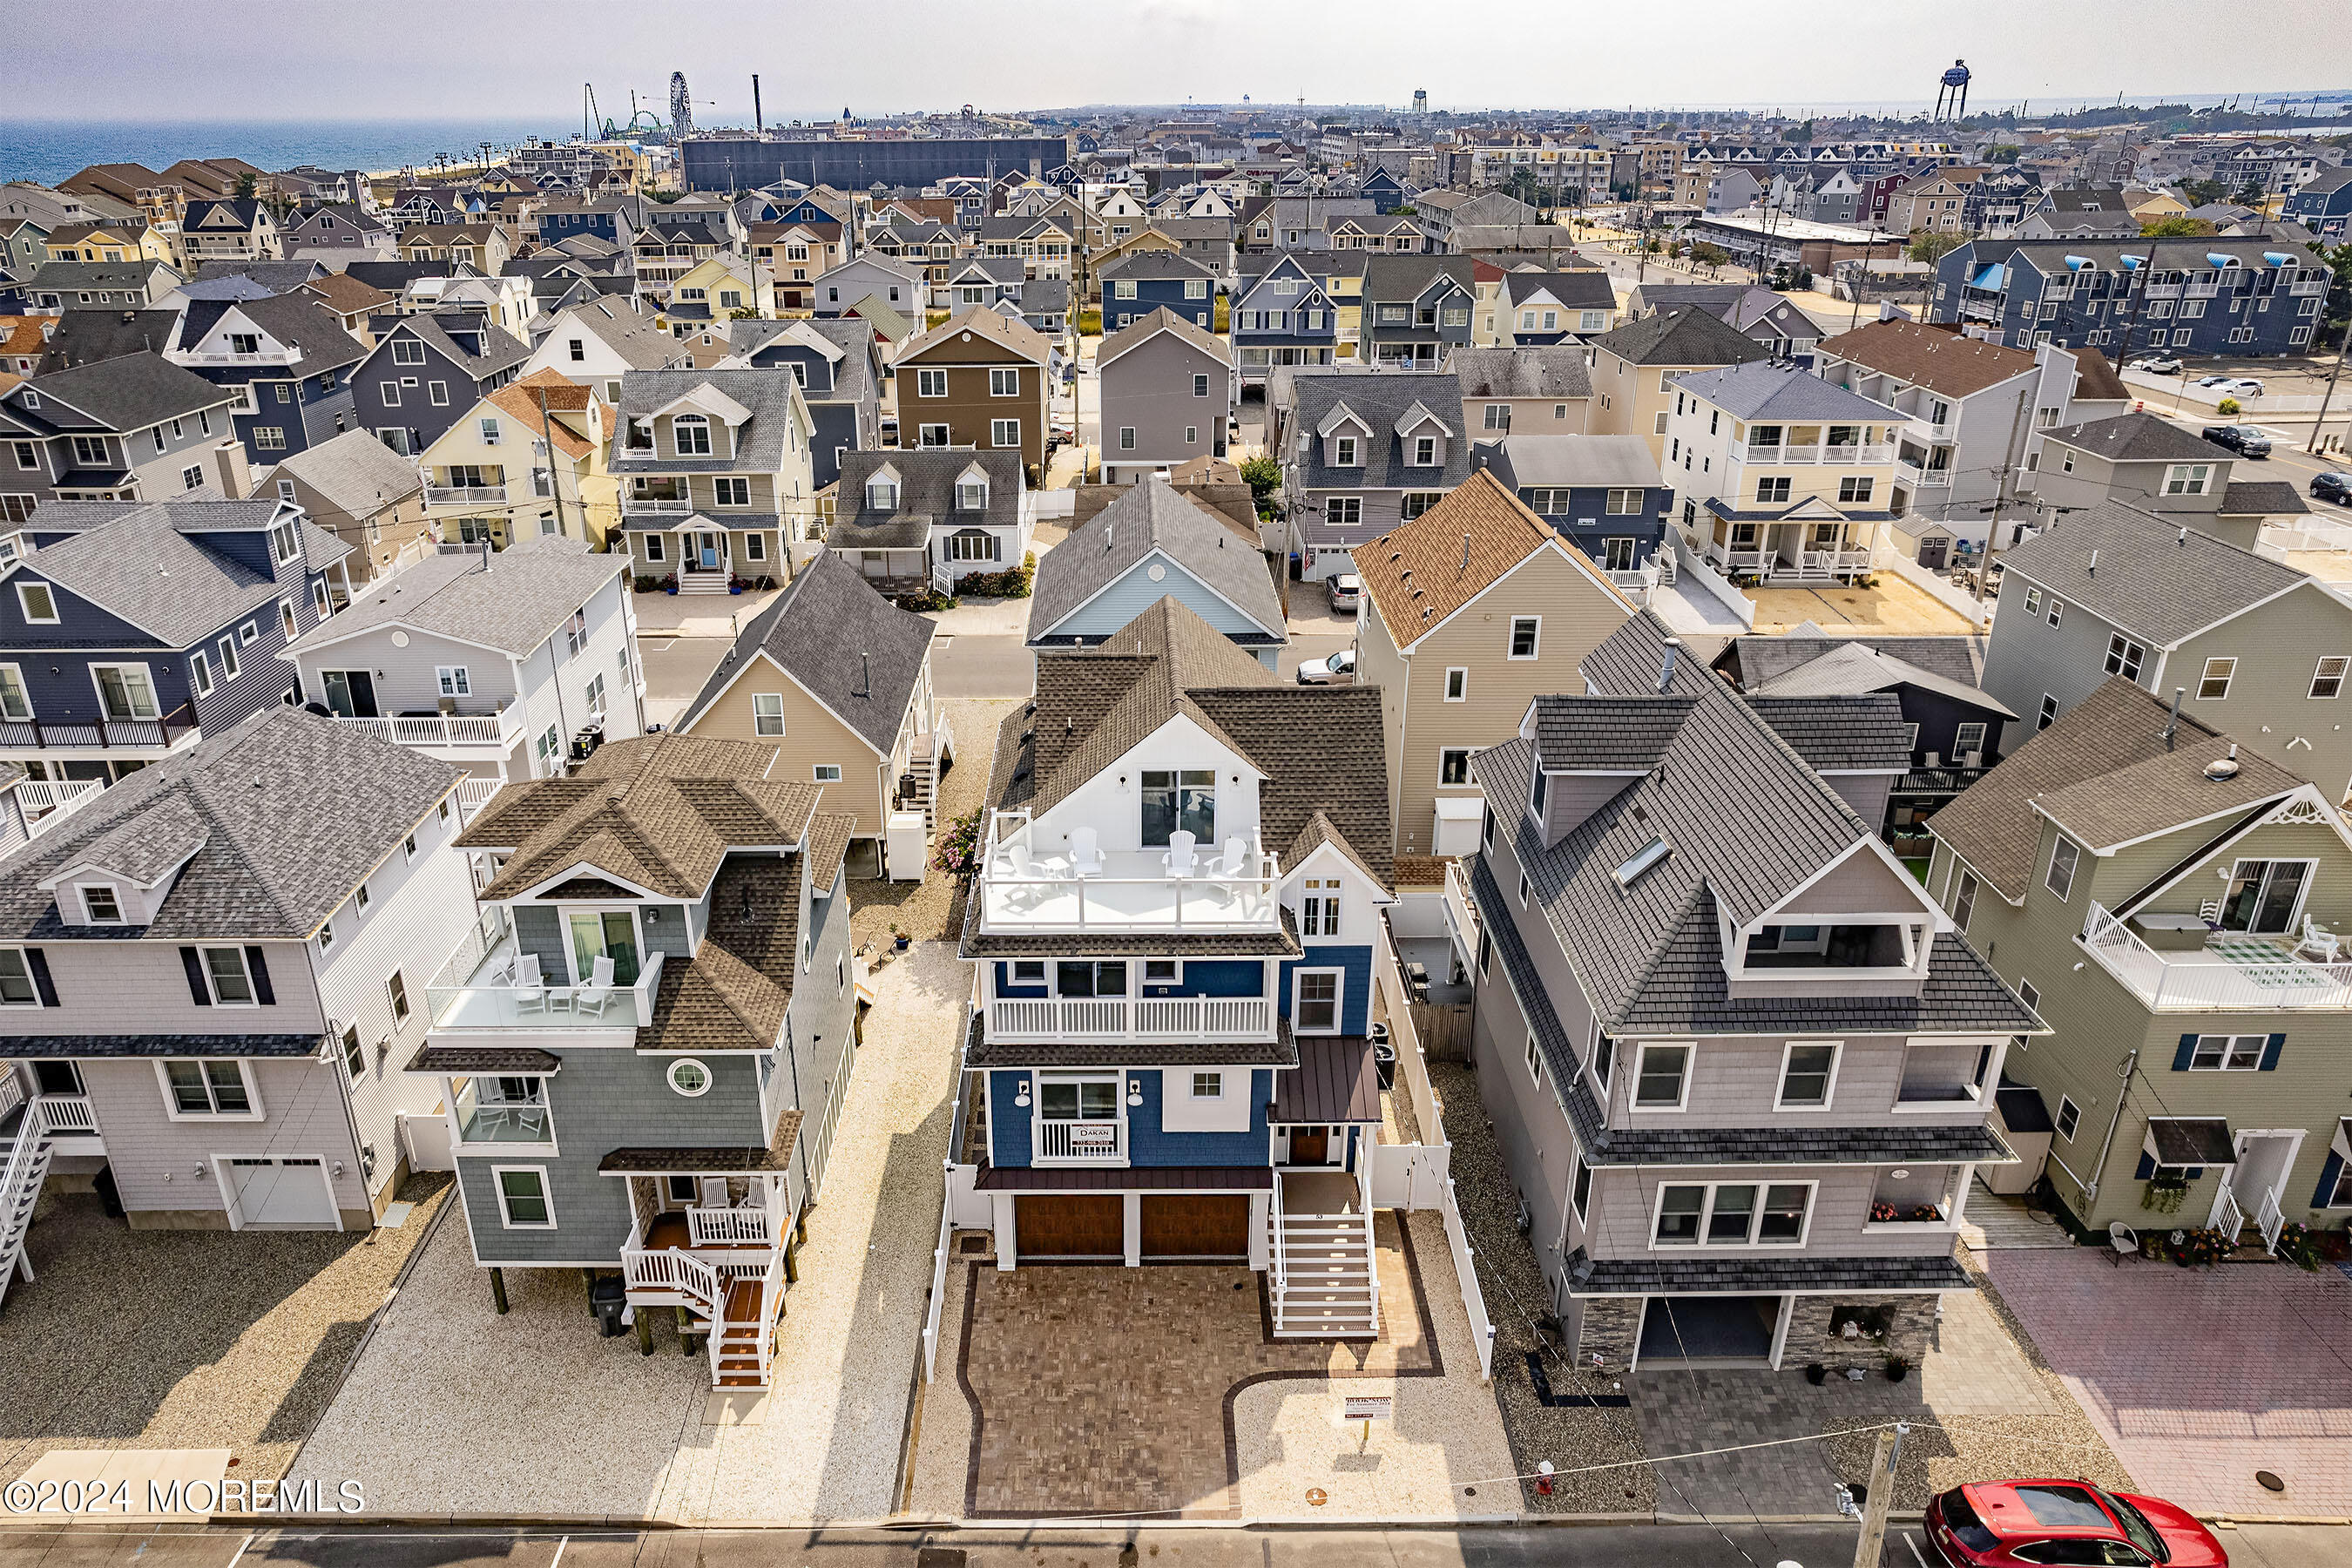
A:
1346	593
2211	380
2241	386
2157	365
2243	439
1998	1524
2335	487
1338	670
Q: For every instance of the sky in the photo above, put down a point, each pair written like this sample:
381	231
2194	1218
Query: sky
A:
240	59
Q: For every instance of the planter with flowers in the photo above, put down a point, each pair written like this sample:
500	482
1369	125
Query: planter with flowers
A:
2199	1248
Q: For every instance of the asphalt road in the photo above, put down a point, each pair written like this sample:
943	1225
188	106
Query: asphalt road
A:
1588	1546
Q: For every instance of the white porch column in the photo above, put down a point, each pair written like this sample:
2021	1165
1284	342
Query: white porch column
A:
1131	1216
1260	1221
1005	1239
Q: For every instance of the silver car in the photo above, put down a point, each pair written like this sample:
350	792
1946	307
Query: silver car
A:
1338	670
1346	593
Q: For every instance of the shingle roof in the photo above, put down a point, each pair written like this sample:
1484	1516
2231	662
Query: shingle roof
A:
127	392
659	812
856	651
1161	319
1851	667
1380	399
278	819
1681	334
1608	734
1596	461
1841	731
1781	391
522	399
2155	578
1764	659
1586	288
1017	338
499	347
142	567
1559	372
2137	438
1763	1276
354	472
513	602
1148	518
1421	572
616	323
2273	498
294	318
1940	359
759	449
2104	771
927	484
1153	264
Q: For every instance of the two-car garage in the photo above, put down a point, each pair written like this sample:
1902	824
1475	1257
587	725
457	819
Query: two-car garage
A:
1209	1215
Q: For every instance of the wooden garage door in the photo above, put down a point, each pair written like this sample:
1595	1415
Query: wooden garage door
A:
1196	1224
1069	1224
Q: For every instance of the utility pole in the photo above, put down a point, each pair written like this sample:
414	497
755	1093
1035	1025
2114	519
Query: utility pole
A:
2326	395
1870	1550
2009	460
555	475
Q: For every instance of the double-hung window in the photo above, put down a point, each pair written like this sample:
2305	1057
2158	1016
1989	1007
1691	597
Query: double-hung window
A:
1662	1077
206	1087
2227	1053
2124	657
2064	856
1004	383
768	713
1318	909
1808	1071
2327	680
1315	1002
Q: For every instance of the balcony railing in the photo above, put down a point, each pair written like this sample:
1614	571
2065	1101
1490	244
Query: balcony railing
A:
1927	432
2250	975
1084	1142
99	734
1037	889
480	988
279	357
1913	473
1120	1018
48	802
1781	457
491	1120
498	731
465	495
646	506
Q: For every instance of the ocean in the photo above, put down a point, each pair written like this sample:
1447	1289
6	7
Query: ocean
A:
53	149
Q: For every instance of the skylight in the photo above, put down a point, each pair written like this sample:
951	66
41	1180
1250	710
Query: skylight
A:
1644	858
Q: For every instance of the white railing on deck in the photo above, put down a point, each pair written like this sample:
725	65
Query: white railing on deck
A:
1101	1017
729	1227
1096	1141
66	1115
2269	1219
48	802
2207	981
12	1093
667	1269
499	730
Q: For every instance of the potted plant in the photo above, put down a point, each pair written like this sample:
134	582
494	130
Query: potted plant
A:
1897	1368
734	583
898	939
670	584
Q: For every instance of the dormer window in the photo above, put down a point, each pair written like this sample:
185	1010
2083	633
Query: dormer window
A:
882	495
972	495
284	543
100	904
1425	452
690	434
1345	450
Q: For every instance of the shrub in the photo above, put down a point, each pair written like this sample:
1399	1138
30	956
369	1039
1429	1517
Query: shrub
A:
2298	1245
1264	476
1011	583
924	601
959	848
648	584
2229	406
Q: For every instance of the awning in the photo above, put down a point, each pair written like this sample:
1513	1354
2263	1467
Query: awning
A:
2215	259
1336	1081
488	1060
2190	1141
1988	278
2278	259
1460	807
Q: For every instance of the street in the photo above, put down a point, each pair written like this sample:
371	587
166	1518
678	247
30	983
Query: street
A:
1585	1546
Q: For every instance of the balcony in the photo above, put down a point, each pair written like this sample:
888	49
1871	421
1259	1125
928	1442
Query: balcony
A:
1920	429
484	986
2235	972
275	356
48	802
1916	1200
2162	291
1088	1142
110	734
1131	890
485	1115
1122	1018
1921	478
465	495
1783	457
495	732
653	506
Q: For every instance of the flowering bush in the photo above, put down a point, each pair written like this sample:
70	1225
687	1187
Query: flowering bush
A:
958	854
2198	1249
924	602
1012	583
2298	1245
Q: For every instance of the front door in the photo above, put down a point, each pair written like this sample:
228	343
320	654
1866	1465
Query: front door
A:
706	550
351	693
2264	1161
1310	1145
608	934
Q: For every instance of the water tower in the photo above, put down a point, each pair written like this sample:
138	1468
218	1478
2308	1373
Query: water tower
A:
681	106
1954	93
1421	101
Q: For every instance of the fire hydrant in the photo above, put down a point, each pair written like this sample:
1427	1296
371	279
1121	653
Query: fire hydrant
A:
1543	1478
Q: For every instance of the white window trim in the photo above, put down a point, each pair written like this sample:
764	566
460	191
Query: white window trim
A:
171	1101
2073	869
24	956
121	915
1763	1184
1338	999
1193	1089
670	1077
52	618
546	1195
2229	676
204	963
758	718
1513	637
1464	671
2058	1121
1690	1071
2223	1065
817	772
1829	1090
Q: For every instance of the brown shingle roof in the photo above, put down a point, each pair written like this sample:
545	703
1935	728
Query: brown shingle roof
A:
564	395
1419	573
1937	358
343	292
1160	320
1014	336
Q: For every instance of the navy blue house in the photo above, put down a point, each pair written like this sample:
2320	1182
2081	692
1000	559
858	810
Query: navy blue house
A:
837	361
2324	205
1176	925
134	629
1602	493
427	372
1383	190
614	219
2259	295
1281	316
1146	280
285	359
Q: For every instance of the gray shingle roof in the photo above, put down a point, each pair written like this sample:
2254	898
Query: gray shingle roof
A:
1381	398
1681	334
927	481
1762	660
128	392
285	815
56	1047
1856	668
1608	733
1586	288
759	449
355	471
2156	578
856	651
616	323
515	602
296	319
1781	391
142	567
499	347
1151	517
1558	372
2272	497
1598	461
2137	439
1841	731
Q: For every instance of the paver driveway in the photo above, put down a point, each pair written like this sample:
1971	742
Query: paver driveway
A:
2200	1378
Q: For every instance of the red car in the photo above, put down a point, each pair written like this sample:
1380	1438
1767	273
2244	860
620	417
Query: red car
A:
2014	1524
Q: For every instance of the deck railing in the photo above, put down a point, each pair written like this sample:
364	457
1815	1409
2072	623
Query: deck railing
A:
1108	1017
730	1228
499	730
159	733
1086	1141
2207	981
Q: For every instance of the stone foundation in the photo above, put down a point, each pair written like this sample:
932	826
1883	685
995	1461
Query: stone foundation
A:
1609	1327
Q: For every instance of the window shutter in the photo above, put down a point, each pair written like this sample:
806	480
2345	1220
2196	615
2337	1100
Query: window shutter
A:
2187	1049
261	991
2270	1050
2146	1168
42	984
2329	1173
198	991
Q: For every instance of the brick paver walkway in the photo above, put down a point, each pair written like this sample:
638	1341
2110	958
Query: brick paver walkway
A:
2198	1378
1107	1390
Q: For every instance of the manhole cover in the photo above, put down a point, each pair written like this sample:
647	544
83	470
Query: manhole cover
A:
2270	1481
1317	1497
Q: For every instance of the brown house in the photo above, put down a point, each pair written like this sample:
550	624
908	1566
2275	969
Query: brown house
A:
983	381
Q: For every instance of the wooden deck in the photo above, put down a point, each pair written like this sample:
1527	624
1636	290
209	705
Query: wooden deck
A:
668	1233
1991	1220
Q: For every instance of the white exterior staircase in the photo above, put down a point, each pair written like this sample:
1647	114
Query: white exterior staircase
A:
695	580
26	1147
732	1297
1325	1283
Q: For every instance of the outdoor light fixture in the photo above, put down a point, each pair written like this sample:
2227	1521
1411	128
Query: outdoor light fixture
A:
1135	1092
1021	1094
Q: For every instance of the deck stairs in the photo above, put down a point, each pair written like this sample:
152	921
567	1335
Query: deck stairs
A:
732	1293
26	1149
695	580
1325	1284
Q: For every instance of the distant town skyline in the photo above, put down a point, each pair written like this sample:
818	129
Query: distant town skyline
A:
161	60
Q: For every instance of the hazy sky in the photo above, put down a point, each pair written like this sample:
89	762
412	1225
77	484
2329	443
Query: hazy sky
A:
500	58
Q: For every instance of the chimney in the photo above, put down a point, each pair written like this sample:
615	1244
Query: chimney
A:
2172	724
1666	669
230	472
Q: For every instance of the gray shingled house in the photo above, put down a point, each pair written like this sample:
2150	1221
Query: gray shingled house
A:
1155	542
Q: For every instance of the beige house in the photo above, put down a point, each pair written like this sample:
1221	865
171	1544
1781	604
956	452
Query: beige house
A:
360	490
838	680
490	474
1471	611
1632	366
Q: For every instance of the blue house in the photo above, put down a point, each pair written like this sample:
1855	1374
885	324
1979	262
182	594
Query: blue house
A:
286	360
2206	295
1602	493
2324	205
1281	316
1153	542
1383	190
1143	281
614	219
838	362
133	628
1175	923
427	372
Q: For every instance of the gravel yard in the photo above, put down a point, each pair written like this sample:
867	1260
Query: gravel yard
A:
187	1338
924	910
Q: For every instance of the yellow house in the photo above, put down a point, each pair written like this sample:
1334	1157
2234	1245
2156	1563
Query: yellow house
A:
1345	289
2154	206
1471	611
490	474
1633	366
123	239
714	289
838	680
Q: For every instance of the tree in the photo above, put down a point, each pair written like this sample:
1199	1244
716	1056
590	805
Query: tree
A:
2004	153
2202	193
1521	184
1929	246
245	186
2251	194
2335	314
1797	135
1708	256
1264	476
